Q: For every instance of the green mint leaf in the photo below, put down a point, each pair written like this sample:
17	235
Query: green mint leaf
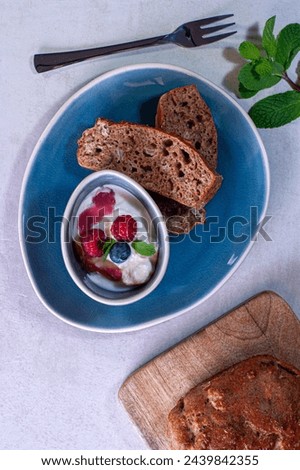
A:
269	42
248	50
288	44
263	67
143	248
107	247
244	93
277	69
276	110
251	80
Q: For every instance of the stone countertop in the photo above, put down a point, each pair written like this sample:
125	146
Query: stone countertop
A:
59	384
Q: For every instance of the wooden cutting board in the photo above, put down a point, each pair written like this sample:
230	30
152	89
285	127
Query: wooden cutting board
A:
265	324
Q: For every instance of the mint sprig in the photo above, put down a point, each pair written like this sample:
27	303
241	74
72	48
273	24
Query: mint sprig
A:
143	248
276	110
288	44
268	39
267	66
107	247
250	78
248	50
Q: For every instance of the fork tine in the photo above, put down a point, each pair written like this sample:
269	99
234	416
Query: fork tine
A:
213	29
213	19
211	39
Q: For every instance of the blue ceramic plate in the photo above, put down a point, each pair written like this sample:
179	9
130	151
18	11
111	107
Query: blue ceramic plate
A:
200	262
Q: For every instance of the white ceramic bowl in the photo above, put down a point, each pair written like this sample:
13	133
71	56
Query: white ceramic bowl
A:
107	295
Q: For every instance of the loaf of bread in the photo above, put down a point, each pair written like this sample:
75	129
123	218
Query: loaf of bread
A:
252	405
160	162
183	111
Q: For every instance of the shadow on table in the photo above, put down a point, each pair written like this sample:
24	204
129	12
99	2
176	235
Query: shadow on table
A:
231	54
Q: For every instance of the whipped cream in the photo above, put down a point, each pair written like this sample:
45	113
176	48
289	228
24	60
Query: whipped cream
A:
136	269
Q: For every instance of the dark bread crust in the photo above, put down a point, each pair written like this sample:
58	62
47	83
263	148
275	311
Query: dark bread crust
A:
183	111
160	162
179	218
252	405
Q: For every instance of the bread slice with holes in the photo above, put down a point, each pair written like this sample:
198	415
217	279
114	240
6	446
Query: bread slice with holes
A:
184	112
159	161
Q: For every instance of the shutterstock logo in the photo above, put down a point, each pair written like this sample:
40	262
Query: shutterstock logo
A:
236	229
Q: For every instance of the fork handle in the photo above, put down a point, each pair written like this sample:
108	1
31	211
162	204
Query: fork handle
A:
45	62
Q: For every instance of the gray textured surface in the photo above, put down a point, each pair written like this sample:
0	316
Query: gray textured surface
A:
58	385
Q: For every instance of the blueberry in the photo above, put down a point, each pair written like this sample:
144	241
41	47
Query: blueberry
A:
120	252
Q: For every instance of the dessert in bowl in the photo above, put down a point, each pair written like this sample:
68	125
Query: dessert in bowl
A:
114	240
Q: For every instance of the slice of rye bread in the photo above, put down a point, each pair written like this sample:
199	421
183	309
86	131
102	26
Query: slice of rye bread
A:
252	405
160	162
183	111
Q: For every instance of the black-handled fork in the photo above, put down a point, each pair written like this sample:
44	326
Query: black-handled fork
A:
190	34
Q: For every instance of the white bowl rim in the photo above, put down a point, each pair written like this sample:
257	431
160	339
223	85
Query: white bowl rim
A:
61	110
64	231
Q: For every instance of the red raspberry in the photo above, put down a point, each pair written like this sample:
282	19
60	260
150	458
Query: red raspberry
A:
92	243
103	204
124	228
105	200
